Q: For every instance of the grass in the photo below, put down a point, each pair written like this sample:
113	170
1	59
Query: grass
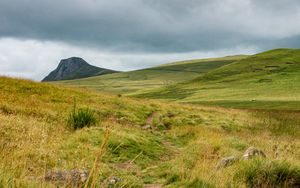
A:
249	82
80	118
268	80
135	82
35	137
261	173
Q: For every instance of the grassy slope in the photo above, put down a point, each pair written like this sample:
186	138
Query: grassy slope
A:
34	138
135	82
267	80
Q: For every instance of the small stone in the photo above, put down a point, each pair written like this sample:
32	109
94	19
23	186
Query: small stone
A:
146	127
113	180
252	152
226	162
170	115
71	177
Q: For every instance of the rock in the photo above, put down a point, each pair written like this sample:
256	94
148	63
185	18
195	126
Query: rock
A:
146	127
226	162
72	178
74	68
170	115
113	181
252	152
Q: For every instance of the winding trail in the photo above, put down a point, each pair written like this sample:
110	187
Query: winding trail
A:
149	120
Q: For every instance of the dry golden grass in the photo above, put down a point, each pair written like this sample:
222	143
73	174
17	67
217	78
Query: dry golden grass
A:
35	138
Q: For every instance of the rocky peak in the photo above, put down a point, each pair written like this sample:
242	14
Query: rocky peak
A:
74	68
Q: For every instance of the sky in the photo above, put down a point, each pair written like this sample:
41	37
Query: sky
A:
133	34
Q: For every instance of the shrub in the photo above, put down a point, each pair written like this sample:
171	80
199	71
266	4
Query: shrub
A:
83	117
173	178
262	173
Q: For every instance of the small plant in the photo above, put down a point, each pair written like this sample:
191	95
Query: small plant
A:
82	117
262	173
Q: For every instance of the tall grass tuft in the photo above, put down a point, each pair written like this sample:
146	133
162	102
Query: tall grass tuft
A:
82	117
262	173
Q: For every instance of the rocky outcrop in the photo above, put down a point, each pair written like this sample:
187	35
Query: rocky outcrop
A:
250	153
253	152
226	162
75	68
73	178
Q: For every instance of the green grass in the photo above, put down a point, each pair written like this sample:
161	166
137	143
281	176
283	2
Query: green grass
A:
135	82
35	137
262	173
83	117
268	80
186	140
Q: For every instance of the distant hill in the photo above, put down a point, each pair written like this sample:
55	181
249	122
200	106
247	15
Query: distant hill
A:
75	68
266	80
140	81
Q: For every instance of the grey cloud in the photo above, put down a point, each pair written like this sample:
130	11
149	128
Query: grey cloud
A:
152	25
133	34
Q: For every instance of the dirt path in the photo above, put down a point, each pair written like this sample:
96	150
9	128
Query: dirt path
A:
173	151
149	121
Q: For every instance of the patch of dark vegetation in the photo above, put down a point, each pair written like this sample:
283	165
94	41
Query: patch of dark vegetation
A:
170	92
172	178
290	63
186	137
6	110
230	127
196	67
272	66
264	80
257	70
277	70
279	122
82	117
267	174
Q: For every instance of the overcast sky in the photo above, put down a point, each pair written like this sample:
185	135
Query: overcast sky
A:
133	34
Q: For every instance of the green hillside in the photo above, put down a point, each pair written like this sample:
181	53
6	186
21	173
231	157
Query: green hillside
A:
138	143
266	80
135	82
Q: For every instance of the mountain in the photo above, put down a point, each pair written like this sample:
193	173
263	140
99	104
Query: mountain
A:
74	68
139	81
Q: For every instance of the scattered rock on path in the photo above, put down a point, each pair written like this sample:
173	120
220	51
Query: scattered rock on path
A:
253	152
146	127
113	181
226	162
72	178
152	186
